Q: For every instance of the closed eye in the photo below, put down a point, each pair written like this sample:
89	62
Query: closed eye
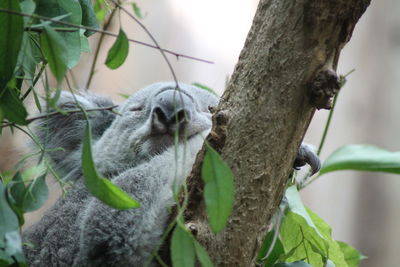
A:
139	108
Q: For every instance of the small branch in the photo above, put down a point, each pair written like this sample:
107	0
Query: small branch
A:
43	67
68	112
96	53
39	30
152	38
178	55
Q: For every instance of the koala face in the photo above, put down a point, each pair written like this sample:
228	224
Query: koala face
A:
150	121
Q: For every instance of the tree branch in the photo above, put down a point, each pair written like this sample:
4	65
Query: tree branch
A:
98	46
67	112
285	71
177	55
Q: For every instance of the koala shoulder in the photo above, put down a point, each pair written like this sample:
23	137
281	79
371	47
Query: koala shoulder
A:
62	133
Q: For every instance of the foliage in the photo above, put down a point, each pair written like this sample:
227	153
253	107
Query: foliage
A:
99	187
305	238
362	158
118	52
218	189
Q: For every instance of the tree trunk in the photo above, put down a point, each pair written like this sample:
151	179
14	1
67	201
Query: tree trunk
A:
286	70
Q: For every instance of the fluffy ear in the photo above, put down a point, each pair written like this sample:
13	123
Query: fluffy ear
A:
65	131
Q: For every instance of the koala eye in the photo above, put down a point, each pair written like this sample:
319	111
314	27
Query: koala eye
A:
139	108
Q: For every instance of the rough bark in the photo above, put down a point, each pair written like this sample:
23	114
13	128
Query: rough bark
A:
285	71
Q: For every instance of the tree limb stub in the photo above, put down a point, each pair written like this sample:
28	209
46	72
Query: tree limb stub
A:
269	102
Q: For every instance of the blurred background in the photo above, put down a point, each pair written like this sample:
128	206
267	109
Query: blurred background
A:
362	208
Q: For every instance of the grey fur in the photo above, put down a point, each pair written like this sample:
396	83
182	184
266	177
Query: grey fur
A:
136	151
81	231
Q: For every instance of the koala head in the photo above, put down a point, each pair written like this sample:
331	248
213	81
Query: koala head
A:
149	122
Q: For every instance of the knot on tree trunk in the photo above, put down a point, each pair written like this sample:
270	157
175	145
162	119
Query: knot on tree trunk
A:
324	86
218	133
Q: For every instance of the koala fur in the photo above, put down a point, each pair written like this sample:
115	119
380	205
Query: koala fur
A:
136	151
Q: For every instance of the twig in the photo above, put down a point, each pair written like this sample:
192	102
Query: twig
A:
29	120
152	38
178	55
326	128
342	82
35	80
96	53
39	30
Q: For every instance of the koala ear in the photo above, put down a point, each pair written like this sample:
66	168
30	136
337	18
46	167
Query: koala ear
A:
65	131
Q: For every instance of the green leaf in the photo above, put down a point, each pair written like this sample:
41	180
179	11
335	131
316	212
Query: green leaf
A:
100	10
10	240
362	158
15	196
335	253
8	220
208	89
85	46
12	107
36	194
5	259
69	11
27	7
55	51
88	16
73	42
304	242
37	102
137	11
17	188
11	31
296	205
293	264
182	247
14	247
118	52
276	252
202	255
218	189
102	188
309	235
72	39
27	61
298	239
351	255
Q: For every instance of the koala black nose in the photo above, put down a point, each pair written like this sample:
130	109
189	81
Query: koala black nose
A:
171	110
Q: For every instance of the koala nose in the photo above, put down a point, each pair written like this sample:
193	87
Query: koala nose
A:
171	110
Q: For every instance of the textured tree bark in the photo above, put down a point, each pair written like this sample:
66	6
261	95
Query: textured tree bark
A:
286	70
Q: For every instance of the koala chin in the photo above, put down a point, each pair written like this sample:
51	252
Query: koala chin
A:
146	149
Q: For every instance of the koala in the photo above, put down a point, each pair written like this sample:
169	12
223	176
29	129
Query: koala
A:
148	150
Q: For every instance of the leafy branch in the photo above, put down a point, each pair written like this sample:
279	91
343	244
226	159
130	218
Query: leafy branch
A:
177	55
29	120
152	38
97	51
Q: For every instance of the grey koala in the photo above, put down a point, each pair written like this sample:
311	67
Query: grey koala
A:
136	151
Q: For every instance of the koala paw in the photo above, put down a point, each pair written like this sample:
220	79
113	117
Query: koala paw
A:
307	155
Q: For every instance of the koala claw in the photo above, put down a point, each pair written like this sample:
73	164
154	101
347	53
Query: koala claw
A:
306	155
